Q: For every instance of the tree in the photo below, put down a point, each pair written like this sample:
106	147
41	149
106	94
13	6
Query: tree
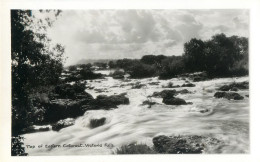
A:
194	55
34	62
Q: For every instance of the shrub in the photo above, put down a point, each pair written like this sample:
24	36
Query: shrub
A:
135	149
17	146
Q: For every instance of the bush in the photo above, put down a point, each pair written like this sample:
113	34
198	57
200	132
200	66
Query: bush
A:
135	149
17	146
140	70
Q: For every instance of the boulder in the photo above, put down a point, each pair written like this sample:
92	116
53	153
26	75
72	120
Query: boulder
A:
138	85
106	102
165	93
174	101
183	144
65	108
188	85
228	95
154	83
63	124
235	86
97	122
68	91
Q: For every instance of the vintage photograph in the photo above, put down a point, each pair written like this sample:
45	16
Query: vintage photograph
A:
128	81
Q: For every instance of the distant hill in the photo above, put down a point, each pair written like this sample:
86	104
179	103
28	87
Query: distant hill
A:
86	61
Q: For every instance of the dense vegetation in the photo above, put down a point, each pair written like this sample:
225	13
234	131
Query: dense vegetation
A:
221	56
35	64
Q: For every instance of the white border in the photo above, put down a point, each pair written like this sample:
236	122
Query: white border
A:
5	73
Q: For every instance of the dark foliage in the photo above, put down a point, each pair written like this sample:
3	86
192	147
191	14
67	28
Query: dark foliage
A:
135	149
220	57
18	146
34	64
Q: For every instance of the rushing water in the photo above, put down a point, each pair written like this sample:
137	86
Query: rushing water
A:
226	120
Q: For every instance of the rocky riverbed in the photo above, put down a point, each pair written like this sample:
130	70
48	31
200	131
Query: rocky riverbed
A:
210	116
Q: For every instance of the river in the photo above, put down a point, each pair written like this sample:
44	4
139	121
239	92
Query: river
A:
226	120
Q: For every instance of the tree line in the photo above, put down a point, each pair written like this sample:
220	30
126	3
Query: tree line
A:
221	56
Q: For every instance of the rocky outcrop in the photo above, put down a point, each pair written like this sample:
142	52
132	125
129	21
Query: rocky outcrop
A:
234	86
183	144
106	102
228	95
63	124
65	108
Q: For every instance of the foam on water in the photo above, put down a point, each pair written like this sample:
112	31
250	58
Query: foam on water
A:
226	120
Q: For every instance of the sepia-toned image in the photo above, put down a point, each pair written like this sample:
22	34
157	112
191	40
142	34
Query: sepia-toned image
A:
128	81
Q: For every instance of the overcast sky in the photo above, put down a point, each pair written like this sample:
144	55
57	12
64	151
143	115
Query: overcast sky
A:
117	34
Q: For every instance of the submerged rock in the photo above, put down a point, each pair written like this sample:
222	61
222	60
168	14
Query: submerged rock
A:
154	83
170	85
165	93
63	124
174	101
183	144
183	91
188	85
33	129
228	95
97	122
138	85
235	86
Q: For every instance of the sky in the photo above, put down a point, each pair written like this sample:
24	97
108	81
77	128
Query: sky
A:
117	34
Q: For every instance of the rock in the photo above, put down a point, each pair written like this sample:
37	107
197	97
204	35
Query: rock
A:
188	85
137	85
247	96
183	144
33	129
234	86
149	103
100	90
170	85
75	91
63	124
228	95
97	122
199	78
183	91
174	101
165	93
118	76
106	102
204	111
65	108
154	83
